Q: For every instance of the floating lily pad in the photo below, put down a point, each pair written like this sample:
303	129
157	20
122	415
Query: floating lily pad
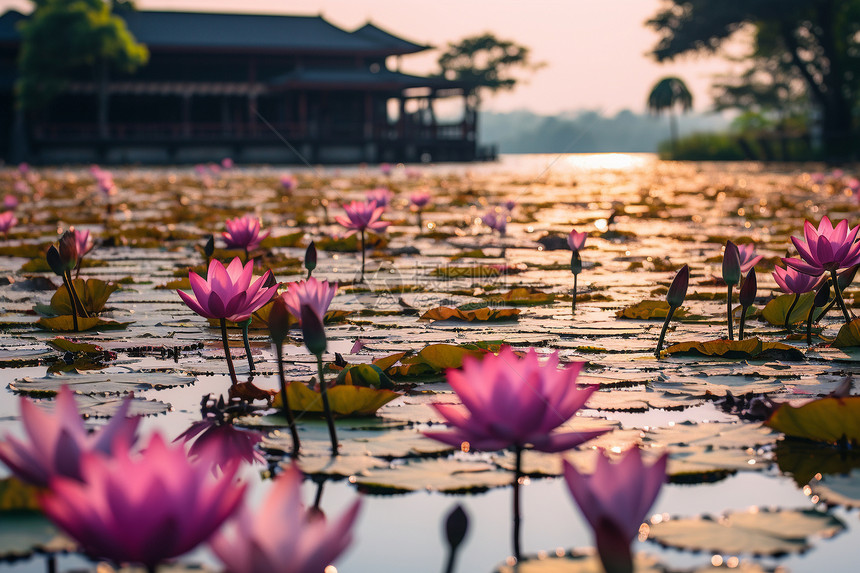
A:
829	420
93	293
748	348
66	323
775	310
714	435
849	335
102	384
23	533
578	561
756	532
485	314
649	309
444	475
344	400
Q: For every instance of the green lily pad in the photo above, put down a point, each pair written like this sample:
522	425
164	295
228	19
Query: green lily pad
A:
102	384
444	475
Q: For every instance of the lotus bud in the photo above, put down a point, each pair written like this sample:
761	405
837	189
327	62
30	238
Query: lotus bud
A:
311	257
575	263
678	289
748	290
313	331
54	261
731	264
846	277
279	320
823	295
68	250
456	526
209	247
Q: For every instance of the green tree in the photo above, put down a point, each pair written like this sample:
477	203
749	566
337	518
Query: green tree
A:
65	38
668	93
484	62
818	39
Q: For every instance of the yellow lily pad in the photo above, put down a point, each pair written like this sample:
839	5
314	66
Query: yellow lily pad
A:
830	420
849	335
775	310
93	293
523	297
344	400
649	309
747	348
65	323
485	314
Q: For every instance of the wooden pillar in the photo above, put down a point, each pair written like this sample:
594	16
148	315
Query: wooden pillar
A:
252	112
368	116
186	114
401	120
303	114
225	115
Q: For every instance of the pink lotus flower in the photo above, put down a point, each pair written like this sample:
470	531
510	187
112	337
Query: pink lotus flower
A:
363	216
853	184
227	163
58	439
228	292
144	508
496	222
385	168
514	402
510	204
23	168
222	443
10	202
826	249
794	282
7	221
21	187
382	196
420	199
576	240
615	500
747	257
243	233
316	294
282	535
288	182
84	243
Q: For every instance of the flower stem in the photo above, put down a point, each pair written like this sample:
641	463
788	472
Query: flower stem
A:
573	304
839	296
663	332
72	301
76	299
247	344
329	419
420	223
729	317
518	450
226	344
288	413
787	324
743	321
809	326
361	280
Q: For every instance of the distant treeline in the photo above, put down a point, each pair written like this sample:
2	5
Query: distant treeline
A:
586	131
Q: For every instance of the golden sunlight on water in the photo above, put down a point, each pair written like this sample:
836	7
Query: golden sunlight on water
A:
607	161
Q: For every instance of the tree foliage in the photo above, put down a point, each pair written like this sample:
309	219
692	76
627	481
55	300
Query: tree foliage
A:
813	41
63	38
485	61
668	93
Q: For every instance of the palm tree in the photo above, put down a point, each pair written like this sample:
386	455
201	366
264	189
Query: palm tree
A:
665	95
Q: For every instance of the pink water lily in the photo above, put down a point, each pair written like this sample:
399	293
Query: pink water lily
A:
283	536
57	439
363	216
222	444
615	500
514	402
10	202
576	240
791	281
243	233
747	257
228	292
288	182
420	199
496	222
316	294
826	248
7	221
84	243
382	196
142	508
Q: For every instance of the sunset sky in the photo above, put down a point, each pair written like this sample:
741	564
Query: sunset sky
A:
595	51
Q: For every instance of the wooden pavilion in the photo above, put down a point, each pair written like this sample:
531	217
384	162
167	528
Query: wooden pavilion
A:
257	88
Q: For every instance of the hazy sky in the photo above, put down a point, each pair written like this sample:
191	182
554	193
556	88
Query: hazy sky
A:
594	50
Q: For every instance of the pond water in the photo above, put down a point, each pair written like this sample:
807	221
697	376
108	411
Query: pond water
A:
645	219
